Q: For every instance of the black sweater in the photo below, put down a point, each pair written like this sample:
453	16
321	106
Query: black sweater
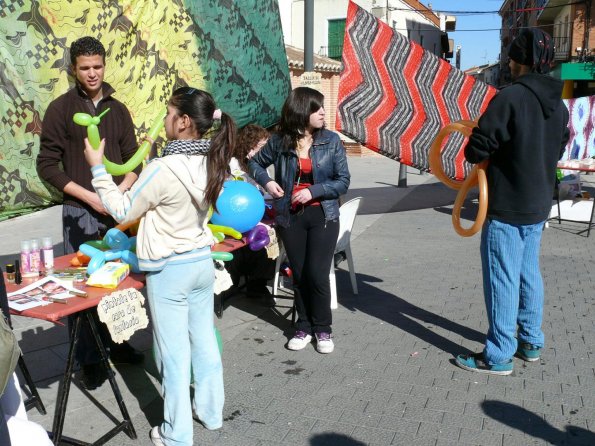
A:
523	133
61	156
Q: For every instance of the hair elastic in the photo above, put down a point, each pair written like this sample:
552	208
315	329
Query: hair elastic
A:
217	114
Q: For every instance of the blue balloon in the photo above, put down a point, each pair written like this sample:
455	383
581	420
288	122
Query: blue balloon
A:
240	206
116	239
132	260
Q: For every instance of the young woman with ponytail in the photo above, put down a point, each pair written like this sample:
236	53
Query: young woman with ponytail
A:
172	197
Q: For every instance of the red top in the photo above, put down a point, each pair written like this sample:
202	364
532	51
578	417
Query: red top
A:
304	180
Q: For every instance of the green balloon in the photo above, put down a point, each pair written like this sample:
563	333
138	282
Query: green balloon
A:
99	244
219	340
93	136
82	119
141	153
220	255
91	122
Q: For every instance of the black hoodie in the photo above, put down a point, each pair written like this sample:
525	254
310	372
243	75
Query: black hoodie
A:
523	133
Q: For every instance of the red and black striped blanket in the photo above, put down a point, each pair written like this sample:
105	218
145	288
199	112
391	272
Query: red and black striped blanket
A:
394	96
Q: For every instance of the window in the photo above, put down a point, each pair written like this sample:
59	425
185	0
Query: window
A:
336	32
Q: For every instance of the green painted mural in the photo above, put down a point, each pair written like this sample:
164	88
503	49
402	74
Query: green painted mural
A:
232	49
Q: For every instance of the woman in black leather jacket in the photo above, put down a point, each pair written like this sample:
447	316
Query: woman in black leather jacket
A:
310	174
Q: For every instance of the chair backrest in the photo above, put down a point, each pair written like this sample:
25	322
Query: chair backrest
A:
348	211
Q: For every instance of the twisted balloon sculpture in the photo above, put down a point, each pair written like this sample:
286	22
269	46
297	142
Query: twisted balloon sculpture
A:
477	177
91	122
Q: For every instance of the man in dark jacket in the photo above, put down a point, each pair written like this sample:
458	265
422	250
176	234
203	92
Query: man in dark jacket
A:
522	133
62	164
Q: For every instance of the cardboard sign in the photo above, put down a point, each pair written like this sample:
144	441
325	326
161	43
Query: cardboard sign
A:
123	313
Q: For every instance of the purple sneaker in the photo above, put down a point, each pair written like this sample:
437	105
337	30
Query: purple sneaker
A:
299	341
324	342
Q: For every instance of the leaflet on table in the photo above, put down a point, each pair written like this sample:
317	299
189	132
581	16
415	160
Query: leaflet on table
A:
43	292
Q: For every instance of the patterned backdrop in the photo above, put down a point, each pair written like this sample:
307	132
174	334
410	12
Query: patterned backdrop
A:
232	49
581	143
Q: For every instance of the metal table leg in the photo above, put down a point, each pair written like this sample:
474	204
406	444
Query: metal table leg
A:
125	425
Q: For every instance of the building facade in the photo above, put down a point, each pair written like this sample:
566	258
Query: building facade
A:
489	73
409	17
571	25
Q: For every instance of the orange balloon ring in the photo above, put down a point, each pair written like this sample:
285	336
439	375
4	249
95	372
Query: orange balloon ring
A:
477	177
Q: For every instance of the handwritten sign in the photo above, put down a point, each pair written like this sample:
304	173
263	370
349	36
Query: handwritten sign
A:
222	278
123	313
311	79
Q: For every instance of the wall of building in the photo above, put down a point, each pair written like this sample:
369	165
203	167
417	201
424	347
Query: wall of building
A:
407	22
415	26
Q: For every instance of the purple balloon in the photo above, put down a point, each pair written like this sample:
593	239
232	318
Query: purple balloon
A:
258	238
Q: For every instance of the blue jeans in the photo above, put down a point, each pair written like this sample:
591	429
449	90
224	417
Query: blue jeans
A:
513	287
181	304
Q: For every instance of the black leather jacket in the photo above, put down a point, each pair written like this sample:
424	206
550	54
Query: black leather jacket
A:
329	170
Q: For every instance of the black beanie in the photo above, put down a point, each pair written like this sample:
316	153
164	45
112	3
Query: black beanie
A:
533	47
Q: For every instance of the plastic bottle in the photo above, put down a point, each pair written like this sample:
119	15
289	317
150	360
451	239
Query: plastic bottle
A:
25	253
47	250
35	256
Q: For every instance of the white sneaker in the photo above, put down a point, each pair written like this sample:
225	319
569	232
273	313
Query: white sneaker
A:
324	343
299	341
155	436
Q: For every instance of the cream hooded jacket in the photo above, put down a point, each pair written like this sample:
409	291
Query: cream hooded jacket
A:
168	197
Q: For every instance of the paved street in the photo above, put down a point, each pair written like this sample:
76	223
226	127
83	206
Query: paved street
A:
392	378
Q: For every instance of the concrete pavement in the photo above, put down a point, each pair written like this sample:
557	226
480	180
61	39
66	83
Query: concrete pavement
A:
391	379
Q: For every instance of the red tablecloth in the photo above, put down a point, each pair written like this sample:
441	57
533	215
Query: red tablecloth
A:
55	311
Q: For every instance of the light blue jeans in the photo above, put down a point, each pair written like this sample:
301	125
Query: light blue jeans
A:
181	304
513	287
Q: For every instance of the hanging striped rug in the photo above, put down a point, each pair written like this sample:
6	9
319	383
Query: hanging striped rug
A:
394	96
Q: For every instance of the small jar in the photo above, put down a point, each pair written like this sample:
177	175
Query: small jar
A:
10	273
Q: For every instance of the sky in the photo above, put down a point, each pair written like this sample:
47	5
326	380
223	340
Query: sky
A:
477	47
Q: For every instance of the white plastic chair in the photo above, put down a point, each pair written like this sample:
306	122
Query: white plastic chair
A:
348	211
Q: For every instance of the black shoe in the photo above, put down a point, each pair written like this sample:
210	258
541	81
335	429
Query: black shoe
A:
125	354
93	376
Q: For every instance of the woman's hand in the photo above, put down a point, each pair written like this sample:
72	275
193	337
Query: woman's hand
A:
301	196
274	189
94	157
152	153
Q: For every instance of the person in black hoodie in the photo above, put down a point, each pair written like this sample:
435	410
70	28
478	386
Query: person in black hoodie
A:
522	133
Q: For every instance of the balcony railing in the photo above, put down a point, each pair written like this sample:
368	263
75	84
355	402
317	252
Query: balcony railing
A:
333	52
562	47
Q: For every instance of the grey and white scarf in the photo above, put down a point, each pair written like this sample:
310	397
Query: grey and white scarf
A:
187	147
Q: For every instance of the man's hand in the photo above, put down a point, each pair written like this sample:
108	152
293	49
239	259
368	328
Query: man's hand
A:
92	199
94	157
274	189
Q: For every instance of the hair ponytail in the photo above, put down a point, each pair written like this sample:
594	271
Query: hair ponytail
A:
210	123
220	153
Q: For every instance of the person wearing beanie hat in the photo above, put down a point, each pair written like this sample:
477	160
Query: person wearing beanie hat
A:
522	133
533	48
